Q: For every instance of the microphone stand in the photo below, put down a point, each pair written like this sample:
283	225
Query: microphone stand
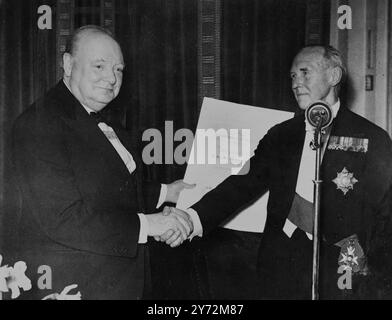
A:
317	145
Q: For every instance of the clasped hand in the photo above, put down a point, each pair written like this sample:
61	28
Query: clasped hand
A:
172	226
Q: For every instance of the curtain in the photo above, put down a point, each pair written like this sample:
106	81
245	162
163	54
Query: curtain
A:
159	38
27	70
260	39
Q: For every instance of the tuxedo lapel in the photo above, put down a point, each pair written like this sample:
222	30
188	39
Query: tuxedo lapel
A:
295	137
89	134
343	124
127	141
285	166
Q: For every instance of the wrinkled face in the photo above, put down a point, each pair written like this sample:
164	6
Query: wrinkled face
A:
95	70
311	79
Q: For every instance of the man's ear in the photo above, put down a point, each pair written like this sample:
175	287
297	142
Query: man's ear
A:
336	76
67	64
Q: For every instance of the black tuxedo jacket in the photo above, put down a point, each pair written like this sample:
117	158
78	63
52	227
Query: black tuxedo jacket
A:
364	210
80	203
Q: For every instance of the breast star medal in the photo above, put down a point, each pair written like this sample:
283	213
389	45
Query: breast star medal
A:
345	181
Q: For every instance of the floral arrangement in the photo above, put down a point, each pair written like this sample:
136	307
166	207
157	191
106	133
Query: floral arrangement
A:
13	278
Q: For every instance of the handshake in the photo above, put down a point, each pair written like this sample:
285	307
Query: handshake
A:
172	226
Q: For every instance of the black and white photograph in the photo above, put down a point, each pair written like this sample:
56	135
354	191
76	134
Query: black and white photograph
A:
204	151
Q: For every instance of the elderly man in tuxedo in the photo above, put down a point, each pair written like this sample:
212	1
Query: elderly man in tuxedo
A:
355	257
85	205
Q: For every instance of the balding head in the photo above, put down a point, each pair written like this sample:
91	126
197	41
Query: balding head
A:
93	67
77	35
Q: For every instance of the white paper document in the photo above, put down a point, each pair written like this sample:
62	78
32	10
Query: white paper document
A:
227	135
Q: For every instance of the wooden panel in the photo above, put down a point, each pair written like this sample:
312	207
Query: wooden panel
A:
65	25
209	43
107	14
71	15
317	17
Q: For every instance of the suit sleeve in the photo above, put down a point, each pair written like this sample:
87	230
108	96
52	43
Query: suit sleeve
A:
50	190
151	192
238	190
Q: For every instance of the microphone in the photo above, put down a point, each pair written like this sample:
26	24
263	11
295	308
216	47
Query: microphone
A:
319	115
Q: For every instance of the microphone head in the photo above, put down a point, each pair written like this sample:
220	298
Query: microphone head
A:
319	114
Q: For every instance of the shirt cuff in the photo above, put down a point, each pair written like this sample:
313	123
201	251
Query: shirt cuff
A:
144	226
197	227
162	195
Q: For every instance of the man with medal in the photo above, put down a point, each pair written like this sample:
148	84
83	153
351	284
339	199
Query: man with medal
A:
356	170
